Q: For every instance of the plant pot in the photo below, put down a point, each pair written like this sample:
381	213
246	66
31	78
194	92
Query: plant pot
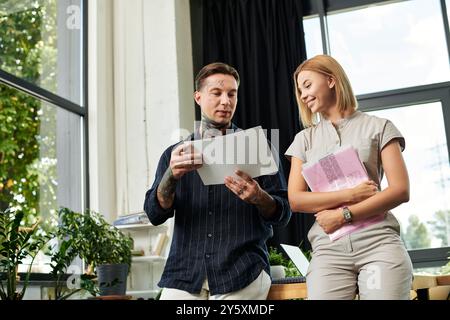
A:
277	272
112	279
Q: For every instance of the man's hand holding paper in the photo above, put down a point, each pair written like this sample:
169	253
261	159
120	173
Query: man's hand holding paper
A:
184	159
245	150
244	187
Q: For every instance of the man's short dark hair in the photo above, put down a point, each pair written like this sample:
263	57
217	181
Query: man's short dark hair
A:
215	68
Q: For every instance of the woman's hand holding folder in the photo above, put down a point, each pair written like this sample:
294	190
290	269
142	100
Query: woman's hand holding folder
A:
362	191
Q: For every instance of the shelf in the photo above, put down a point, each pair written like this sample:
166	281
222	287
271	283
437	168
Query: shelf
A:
141	227
148	259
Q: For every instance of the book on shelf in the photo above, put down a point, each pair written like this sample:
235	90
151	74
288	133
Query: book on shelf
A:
160	243
134	218
137	252
339	170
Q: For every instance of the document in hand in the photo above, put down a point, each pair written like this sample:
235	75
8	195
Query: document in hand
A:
339	170
246	150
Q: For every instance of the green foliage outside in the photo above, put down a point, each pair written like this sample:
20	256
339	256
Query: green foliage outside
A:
416	235
441	226
27	135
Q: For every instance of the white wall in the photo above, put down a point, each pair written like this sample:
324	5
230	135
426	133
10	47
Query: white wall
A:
102	177
140	90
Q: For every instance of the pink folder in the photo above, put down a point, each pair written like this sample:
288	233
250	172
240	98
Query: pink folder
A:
339	170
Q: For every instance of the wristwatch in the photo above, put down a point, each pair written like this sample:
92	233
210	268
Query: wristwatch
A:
348	217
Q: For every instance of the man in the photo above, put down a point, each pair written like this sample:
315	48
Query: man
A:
218	249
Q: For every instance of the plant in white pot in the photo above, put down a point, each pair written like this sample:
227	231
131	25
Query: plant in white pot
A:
277	263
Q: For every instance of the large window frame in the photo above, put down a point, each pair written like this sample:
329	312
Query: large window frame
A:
437	92
61	102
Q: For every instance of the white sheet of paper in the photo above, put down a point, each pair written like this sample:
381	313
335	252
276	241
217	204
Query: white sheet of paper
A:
246	150
297	257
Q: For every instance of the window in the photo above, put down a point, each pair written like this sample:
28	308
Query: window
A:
425	220
407	37
311	26
396	56
42	107
40	41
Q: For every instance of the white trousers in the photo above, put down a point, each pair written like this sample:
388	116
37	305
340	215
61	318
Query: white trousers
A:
257	290
372	262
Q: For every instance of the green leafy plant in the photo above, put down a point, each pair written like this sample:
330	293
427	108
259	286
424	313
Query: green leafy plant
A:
62	256
291	270
93	238
16	244
89	236
277	258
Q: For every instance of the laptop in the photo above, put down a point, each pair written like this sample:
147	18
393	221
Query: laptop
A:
300	262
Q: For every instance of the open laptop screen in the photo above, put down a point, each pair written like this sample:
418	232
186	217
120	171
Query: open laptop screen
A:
297	257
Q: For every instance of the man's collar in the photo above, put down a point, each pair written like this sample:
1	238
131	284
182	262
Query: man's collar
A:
196	134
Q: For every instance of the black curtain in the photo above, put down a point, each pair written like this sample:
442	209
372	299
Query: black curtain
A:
264	41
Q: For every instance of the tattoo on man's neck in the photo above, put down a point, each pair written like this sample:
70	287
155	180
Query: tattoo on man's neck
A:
167	185
210	125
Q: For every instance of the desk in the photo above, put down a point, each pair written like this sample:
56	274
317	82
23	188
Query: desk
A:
287	291
421	284
115	297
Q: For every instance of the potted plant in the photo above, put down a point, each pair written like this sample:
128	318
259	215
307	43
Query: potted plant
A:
16	244
281	267
66	249
105	250
277	262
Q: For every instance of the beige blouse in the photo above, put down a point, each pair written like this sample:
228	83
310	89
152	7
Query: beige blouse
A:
366	133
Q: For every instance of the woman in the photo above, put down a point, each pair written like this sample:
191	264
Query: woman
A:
373	261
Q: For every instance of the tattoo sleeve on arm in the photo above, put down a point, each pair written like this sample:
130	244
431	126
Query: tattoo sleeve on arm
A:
166	189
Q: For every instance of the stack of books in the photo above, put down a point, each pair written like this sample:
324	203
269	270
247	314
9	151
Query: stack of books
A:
134	218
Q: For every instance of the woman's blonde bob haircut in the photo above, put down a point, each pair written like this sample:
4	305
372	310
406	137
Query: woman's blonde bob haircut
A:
328	66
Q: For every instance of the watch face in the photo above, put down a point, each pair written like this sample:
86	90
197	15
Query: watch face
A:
347	215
